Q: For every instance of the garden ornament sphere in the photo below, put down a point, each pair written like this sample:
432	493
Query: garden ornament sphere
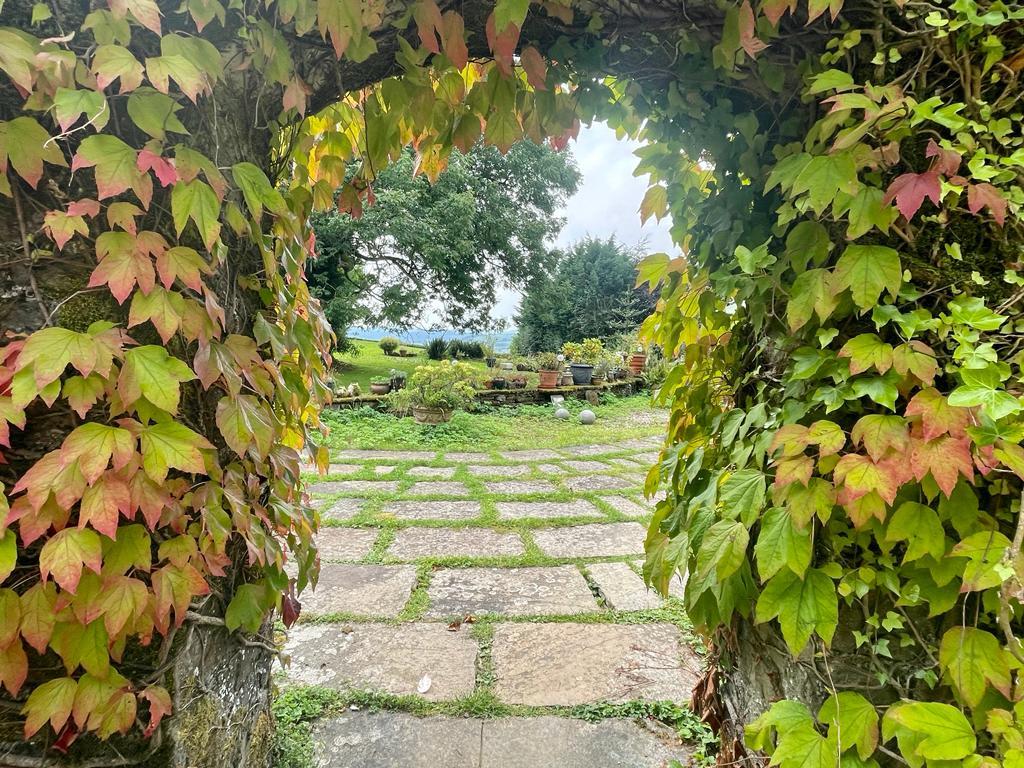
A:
561	413
587	417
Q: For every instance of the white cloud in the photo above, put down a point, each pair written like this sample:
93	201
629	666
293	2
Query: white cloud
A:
606	203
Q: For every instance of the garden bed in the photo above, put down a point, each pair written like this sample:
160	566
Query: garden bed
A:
530	396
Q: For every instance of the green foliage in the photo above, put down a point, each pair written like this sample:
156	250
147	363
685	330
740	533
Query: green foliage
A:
448	386
294	711
547	361
590	293
389	345
437	349
589	351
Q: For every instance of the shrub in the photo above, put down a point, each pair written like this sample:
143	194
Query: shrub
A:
548	361
389	344
460	348
446	385
437	349
380	380
588	351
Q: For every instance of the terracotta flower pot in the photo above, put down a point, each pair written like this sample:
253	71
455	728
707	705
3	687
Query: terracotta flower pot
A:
548	379
431	415
636	363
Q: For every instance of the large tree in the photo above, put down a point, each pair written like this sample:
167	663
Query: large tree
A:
592	294
443	246
843	464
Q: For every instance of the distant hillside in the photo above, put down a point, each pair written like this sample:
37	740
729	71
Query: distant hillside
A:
419	336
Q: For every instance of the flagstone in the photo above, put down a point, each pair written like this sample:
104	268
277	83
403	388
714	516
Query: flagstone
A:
444	473
539	454
622	588
585	466
413	543
355	486
521	487
385	658
518	510
566	664
365	590
498	470
598	483
591	540
343	509
432	510
512	591
345	543
437	488
626	505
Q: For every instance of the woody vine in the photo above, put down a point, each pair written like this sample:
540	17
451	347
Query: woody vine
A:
843	462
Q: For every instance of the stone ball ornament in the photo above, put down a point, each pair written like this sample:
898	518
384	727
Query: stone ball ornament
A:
587	417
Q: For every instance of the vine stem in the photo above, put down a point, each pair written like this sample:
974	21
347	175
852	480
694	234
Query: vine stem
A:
1012	643
23	230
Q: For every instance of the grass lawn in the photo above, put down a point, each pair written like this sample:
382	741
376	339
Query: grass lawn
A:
368	360
507	428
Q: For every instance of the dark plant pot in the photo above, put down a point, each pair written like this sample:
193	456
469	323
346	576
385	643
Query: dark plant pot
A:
548	380
431	415
380	389
397	384
498	383
581	374
636	364
490	362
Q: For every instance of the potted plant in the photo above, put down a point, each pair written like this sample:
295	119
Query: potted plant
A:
637	359
600	372
434	391
517	382
488	350
550	368
498	382
583	356
398	378
380	385
388	345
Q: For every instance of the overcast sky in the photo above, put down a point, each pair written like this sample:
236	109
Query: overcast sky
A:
607	202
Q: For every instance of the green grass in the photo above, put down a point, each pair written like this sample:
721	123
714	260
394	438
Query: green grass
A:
511	428
368	360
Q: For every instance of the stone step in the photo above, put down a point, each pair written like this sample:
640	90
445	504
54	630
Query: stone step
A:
398	740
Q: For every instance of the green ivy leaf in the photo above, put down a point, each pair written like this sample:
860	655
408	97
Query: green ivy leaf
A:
867	270
929	730
852	720
152	373
247	608
257	190
803	607
983	386
972	660
197	201
168	445
742	495
920	527
780	544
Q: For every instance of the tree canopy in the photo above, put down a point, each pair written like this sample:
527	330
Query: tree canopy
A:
592	294
486	221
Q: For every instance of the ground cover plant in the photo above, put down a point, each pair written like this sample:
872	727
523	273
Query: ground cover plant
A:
844	457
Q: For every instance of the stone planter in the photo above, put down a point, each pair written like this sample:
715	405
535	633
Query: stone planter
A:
548	380
380	389
636	363
581	373
431	415
566	380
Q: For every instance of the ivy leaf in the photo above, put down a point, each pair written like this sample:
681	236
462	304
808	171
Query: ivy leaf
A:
929	730
162	69
115	164
858	475
781	543
917	359
103	503
910	190
175	587
812	293
247	608
971	310
804	747
972	660
145	12
197	201
866	211
881	389
25	145
184	264
246	421
945	458
937	416
150	372
537	74
13	667
114	61
824	177
723	550
339	19
984	551
803	607
742	494
986	196
257	190
920	527
453	39
804	502
48	351
121	265
983	387
94	445
131	549
39	614
124	599
852	721
51	701
65	554
69	104
8	553
10	609
783	715
154	113
159	706
867	270
880	433
164	309
655	203
172	445
867	351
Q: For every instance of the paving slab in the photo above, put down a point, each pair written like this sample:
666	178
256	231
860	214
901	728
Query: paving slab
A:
646	458
433	510
518	510
355	486
565	664
442	473
626	505
498	470
594	449
642	443
413	543
366	590
464	456
539	454
396	740
619	461
511	591
584	465
437	488
381	657
622	588
343	469
599	483
383	469
561	742
385	455
345	543
592	540
343	509
551	469
521	487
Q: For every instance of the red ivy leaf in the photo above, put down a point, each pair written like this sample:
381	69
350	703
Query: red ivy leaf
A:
428	24
748	31
159	706
535	66
947	161
945	458
453	39
163	167
13	667
911	189
503	44
937	416
66	553
985	195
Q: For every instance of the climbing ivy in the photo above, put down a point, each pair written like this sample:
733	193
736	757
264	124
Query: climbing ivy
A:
844	455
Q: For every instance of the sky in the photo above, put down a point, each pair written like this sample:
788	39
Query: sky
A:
606	203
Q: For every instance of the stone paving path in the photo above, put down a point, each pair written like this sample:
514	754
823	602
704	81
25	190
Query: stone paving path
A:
510	578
